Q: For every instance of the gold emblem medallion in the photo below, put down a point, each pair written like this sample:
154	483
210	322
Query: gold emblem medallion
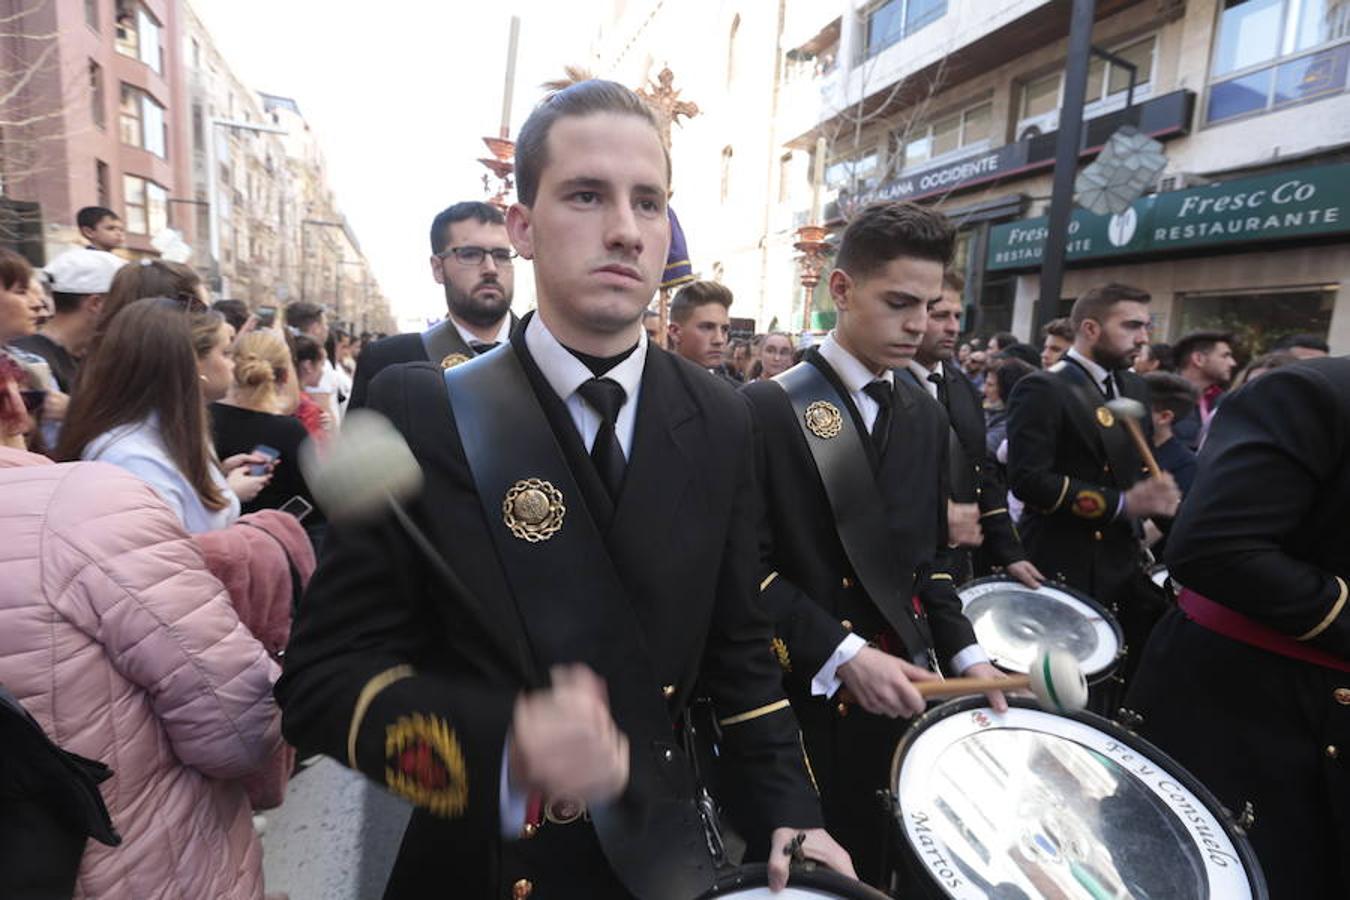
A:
1105	417
533	510
824	419
453	359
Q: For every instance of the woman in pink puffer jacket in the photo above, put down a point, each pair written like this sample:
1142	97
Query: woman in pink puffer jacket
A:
126	650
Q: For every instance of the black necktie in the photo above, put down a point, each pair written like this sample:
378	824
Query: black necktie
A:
481	347
1110	387
880	391
606	397
941	388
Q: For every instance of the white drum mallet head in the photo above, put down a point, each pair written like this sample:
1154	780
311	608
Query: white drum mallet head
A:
1058	683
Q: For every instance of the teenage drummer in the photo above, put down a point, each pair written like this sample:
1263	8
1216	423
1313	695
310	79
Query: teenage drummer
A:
853	465
975	478
1077	470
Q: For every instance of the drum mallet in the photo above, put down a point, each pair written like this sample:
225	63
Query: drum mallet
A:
1055	679
1130	412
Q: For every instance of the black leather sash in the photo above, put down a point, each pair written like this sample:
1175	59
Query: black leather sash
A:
442	339
851	487
1114	442
574	608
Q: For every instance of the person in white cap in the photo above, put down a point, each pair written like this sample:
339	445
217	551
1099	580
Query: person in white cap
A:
79	278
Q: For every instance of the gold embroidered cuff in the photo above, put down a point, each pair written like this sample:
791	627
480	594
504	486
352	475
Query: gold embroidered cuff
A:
767	581
755	713
993	512
365	698
1330	617
939	576
1063	492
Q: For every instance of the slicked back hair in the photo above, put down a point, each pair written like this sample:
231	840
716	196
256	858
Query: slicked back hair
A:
585	98
1096	303
887	231
1060	328
696	294
483	213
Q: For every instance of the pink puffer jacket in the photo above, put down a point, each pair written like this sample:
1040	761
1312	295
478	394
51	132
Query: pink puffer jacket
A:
123	646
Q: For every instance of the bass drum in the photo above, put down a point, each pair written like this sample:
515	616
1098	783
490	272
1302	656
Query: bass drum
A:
752	883
1015	623
1026	804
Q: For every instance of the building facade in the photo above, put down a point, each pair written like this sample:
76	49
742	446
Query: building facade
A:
1247	229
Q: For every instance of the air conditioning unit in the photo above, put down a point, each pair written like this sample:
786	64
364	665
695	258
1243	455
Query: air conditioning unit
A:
1176	181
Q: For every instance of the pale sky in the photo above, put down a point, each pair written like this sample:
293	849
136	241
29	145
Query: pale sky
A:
399	93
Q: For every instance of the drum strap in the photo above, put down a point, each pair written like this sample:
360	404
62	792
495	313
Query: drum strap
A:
851	487
573	606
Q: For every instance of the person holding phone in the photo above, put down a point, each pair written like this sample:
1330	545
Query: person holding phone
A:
255	418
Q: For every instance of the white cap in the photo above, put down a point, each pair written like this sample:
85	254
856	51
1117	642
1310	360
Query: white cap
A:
82	271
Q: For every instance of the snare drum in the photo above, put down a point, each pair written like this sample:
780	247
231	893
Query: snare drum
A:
752	883
1027	804
1015	623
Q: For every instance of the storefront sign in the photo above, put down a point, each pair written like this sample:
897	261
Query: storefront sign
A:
981	167
1297	203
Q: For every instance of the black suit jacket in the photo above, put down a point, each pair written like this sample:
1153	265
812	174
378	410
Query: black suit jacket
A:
1070	462
965	409
401	348
682	539
813	589
1264	528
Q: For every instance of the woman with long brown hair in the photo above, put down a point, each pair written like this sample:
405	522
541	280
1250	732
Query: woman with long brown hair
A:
149	278
141	406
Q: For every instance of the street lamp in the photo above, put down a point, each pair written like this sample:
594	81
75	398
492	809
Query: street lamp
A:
213	188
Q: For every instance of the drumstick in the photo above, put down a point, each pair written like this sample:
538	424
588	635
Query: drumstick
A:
1055	679
1130	412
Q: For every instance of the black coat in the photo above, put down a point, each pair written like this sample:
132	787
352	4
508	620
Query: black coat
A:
405	348
965	409
1070	462
682	540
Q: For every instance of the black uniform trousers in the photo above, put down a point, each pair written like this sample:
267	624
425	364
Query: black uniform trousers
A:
1264	533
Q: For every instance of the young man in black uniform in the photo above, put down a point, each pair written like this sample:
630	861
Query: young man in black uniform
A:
853	468
1077	470
1247	681
553	465
975	478
471	258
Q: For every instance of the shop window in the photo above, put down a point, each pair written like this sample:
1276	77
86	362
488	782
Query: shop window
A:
1272	53
891	21
1258	318
1106	89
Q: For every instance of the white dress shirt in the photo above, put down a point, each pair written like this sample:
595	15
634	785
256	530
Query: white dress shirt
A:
921	372
565	373
855	377
503	332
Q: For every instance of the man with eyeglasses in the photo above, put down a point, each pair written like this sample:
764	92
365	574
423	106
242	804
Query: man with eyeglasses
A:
472	259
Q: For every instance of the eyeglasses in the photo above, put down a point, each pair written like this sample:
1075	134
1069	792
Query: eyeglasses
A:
474	256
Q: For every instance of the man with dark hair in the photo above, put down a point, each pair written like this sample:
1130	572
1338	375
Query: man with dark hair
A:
1247	679
1205	359
1024	352
79	279
1153	358
1002	341
473	261
235	312
700	324
530	716
862	595
1303	346
975	478
1173	398
101	227
1077	470
1056	339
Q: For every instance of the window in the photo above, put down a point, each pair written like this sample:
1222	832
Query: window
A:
97	101
727	153
1107	84
91	13
101	182
1273	53
785	177
731	49
142	121
139	35
198	128
891	21
961	130
146	204
1259	318
853	172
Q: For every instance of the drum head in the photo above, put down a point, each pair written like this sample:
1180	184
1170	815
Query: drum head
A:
1015	623
1027	804
751	883
1158	574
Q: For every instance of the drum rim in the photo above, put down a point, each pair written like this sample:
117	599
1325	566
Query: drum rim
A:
1250	864
1106	615
753	875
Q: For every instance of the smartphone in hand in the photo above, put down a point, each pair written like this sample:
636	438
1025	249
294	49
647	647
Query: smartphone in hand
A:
271	453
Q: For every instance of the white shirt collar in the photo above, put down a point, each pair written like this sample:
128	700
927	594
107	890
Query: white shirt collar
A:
851	372
1095	370
503	331
565	373
921	373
